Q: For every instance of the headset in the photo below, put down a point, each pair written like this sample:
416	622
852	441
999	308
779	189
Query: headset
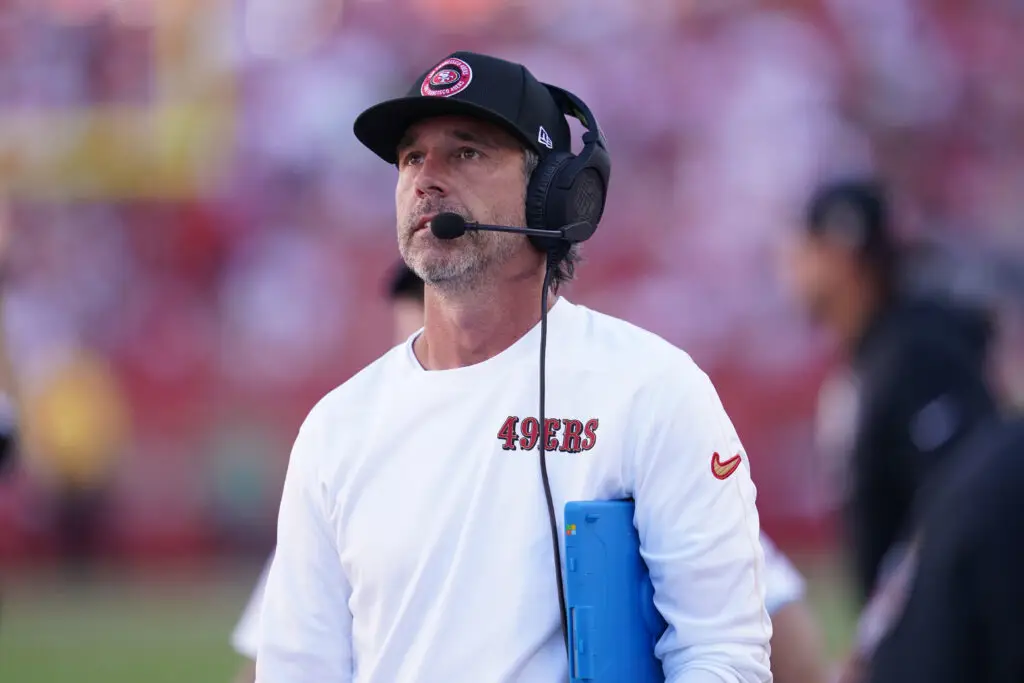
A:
564	189
567	188
565	199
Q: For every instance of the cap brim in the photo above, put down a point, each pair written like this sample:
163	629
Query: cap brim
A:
382	126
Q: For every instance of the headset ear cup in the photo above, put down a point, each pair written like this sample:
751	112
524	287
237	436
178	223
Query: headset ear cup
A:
586	198
538	195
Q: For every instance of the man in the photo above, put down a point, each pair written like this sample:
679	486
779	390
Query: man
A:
413	540
796	649
915	381
405	292
960	609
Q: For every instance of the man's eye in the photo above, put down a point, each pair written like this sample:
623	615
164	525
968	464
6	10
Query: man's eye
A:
411	158
468	153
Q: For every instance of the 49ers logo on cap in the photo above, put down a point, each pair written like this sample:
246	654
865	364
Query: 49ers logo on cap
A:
447	78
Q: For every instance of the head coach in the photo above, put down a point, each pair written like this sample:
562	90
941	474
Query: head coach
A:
418	533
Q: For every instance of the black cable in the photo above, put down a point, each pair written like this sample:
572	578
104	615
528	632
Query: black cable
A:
543	440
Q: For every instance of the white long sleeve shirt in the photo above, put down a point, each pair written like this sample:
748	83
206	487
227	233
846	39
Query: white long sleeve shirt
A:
784	586
413	541
245	638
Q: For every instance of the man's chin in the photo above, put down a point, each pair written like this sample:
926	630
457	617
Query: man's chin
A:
447	273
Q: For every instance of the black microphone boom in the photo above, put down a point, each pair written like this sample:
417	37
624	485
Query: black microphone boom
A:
448	226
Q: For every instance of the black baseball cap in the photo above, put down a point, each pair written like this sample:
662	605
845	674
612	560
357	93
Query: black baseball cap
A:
853	214
476	85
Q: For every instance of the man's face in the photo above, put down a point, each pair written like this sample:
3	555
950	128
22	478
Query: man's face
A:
408	317
467	167
817	273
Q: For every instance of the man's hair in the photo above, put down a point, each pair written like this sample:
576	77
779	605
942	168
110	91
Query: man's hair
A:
854	212
403	283
565	268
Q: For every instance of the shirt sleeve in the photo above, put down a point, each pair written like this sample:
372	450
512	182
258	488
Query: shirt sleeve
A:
246	636
699	536
306	629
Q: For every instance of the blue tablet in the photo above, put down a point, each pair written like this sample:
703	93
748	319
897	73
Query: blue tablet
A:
609	599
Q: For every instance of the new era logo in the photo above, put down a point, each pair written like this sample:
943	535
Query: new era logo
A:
544	139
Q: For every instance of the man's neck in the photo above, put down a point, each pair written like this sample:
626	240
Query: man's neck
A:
475	324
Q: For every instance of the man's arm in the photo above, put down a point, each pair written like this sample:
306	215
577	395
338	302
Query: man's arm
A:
698	531
306	626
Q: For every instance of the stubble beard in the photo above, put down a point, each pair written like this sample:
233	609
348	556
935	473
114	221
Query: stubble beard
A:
459	265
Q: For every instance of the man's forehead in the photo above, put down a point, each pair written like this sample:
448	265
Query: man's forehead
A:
464	128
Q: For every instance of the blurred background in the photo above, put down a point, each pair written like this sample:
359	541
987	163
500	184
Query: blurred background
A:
198	246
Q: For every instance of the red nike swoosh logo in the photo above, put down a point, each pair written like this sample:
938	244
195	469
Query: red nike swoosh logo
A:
722	470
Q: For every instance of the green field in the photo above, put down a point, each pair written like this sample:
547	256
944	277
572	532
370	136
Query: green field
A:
118	629
121	629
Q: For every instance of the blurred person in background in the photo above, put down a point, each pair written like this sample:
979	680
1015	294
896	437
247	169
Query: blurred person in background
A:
953	608
75	425
71	423
8	393
954	611
913	383
405	292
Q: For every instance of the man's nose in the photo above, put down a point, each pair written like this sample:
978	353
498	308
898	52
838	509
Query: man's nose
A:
432	178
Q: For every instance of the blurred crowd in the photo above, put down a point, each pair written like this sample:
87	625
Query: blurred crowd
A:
171	335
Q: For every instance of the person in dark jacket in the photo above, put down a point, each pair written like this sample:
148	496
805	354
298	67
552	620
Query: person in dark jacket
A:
954	609
913	381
